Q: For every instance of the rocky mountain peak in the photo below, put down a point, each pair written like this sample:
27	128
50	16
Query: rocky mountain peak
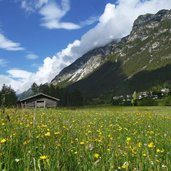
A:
145	24
144	19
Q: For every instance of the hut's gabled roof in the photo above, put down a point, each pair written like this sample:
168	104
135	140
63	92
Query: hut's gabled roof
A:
39	95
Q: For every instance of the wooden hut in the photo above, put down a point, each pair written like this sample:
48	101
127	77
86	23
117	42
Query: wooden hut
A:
39	101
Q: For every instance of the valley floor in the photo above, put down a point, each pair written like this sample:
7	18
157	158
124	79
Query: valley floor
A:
88	138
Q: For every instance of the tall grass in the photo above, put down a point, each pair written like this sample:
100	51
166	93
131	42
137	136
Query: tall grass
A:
104	138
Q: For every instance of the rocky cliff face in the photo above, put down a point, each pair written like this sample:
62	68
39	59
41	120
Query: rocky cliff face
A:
84	65
147	48
148	45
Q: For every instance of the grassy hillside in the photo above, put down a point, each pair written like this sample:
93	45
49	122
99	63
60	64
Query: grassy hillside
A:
111	77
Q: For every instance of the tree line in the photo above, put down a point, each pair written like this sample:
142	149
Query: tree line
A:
8	96
67	98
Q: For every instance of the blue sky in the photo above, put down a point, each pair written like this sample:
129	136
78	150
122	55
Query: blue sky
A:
24	27
39	38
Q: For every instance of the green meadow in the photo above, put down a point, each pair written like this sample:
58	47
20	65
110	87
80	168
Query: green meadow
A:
86	139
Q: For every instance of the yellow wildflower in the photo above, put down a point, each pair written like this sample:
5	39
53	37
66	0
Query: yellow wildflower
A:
96	155
3	141
158	161
144	154
47	134
82	143
43	157
26	142
57	133
158	150
128	139
139	144
151	145
120	129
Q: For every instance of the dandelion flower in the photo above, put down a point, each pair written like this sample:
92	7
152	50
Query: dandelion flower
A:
3	141
139	144
57	133
96	155
47	134
82	143
158	150
144	154
128	139
151	145
26	142
43	157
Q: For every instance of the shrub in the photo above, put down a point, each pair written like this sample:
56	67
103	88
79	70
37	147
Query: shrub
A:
147	102
167	101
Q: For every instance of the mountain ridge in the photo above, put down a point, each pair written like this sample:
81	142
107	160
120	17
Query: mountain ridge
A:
146	48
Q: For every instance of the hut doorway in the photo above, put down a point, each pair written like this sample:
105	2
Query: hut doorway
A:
40	104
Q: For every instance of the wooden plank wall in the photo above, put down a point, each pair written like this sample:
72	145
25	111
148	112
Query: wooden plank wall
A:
48	103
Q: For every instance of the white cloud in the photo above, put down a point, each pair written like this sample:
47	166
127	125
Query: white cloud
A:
19	85
8	81
89	21
52	15
115	22
19	80
32	5
9	45
20	74
25	6
3	62
41	2
32	56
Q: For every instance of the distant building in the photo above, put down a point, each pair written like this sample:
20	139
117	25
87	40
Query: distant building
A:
38	101
165	90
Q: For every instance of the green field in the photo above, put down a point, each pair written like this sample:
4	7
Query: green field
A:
99	138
